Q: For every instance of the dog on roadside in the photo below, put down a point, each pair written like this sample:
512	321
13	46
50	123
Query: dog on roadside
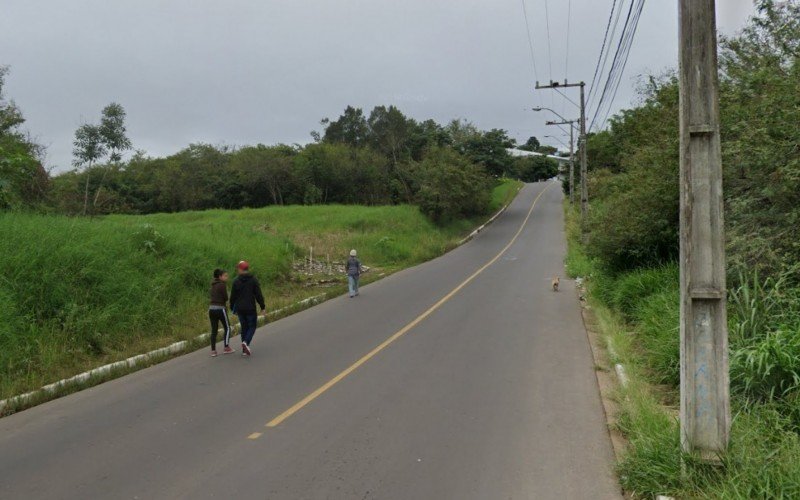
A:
555	284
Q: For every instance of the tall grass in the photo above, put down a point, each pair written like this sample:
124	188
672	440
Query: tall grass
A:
638	312
503	193
577	263
76	293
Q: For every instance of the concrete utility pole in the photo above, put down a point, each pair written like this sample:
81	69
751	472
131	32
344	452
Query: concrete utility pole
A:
705	410
571	124
581	144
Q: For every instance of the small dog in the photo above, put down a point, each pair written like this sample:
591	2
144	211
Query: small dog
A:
555	284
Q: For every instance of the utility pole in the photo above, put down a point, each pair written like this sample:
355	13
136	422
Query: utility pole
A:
705	410
571	124
581	145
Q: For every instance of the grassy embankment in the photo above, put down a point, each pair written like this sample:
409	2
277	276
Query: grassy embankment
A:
637	314
78	293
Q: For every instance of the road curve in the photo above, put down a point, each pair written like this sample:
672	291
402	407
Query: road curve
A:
463	378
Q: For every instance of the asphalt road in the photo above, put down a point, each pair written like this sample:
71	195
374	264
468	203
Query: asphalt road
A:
416	389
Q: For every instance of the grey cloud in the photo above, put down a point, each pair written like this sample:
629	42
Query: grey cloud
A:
247	71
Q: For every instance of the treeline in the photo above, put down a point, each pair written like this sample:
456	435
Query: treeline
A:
384	157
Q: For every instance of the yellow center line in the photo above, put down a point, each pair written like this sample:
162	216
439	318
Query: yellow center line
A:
350	369
254	435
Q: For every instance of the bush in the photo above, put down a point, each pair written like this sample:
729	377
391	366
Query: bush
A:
534	168
636	225
450	187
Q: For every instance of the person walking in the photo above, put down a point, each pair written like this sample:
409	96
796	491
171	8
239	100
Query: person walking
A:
353	269
218	311
245	293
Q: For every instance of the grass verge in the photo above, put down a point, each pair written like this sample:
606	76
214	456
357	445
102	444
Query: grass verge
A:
81	293
637	315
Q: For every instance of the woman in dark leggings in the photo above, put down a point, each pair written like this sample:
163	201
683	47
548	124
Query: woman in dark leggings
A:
218	311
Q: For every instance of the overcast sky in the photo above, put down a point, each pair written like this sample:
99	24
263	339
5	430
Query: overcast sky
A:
247	71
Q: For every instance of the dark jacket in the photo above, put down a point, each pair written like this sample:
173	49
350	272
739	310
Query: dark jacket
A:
219	293
353	266
245	293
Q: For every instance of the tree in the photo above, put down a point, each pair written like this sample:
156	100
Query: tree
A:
532	144
23	180
113	132
490	150
350	128
388	131
461	131
93	142
88	148
450	186
534	168
10	115
424	136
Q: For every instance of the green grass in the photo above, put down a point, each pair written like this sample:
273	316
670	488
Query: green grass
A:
637	314
579	265
77	293
503	193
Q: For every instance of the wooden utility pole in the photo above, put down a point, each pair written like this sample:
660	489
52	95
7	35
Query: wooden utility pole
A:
581	144
705	411
571	124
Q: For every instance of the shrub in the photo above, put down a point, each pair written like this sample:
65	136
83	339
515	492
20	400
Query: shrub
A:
450	187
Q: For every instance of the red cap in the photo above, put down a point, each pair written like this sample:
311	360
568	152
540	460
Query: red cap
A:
243	266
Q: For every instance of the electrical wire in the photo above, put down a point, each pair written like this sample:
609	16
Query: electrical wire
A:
621	71
620	59
565	96
569	22
593	90
602	49
530	45
549	50
566	61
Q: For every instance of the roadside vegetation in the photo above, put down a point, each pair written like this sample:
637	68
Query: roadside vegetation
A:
628	260
81	292
111	257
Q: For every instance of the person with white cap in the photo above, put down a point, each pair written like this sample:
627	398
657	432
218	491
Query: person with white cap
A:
353	269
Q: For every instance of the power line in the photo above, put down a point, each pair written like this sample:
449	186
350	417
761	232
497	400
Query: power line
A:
566	61
602	48
624	63
565	96
620	58
530	44
549	51
569	21
608	48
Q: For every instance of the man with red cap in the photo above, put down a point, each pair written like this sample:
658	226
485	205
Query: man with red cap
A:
246	292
